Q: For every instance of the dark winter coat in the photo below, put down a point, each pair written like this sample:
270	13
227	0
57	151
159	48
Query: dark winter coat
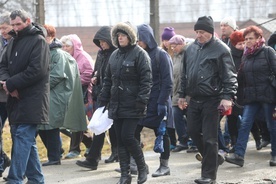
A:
25	67
128	78
272	41
255	74
209	71
65	92
3	47
161	77
237	57
102	58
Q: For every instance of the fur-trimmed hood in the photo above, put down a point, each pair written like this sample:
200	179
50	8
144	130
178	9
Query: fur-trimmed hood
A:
126	27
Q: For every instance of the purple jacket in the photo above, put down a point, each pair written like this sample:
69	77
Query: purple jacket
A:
84	60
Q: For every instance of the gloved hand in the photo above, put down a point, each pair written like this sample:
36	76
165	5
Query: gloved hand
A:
162	110
140	107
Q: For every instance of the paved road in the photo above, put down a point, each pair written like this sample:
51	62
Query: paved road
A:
184	169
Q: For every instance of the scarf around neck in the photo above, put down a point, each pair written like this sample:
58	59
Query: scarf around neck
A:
254	48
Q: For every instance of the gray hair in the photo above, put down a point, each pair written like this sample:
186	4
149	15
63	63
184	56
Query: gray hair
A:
66	40
5	18
20	13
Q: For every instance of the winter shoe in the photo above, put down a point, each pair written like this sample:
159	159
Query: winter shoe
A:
235	159
272	162
113	157
163	169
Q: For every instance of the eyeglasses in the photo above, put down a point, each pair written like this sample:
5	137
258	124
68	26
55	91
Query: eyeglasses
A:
173	46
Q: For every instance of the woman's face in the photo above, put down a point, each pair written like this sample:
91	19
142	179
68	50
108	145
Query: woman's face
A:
122	39
142	44
250	39
176	48
68	48
240	45
104	45
166	43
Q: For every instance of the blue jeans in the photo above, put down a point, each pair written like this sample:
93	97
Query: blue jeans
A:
25	159
249	113
180	125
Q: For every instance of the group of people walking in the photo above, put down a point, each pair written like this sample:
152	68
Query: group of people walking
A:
52	86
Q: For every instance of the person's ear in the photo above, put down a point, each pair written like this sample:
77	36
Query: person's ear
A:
28	20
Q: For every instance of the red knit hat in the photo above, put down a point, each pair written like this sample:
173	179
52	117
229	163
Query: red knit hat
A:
236	37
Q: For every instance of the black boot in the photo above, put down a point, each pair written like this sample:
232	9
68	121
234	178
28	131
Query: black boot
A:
138	156
125	179
163	169
124	165
142	169
113	157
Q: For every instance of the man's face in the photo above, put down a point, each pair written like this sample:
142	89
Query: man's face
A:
203	36
18	25
226	30
4	30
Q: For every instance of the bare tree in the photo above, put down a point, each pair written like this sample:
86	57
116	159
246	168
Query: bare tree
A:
2	4
27	5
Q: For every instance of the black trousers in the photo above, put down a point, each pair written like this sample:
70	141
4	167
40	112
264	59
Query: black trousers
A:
3	112
96	147
128	144
51	140
166	140
171	132
76	139
202	125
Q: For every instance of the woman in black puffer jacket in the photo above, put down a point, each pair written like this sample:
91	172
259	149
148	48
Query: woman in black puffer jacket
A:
126	88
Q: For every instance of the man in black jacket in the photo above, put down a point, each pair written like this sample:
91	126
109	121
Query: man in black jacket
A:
24	74
209	79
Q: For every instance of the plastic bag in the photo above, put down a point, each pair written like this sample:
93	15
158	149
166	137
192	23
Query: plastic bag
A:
158	144
100	121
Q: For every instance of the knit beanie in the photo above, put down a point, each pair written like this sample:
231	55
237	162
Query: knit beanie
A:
168	33
205	23
177	39
230	21
236	37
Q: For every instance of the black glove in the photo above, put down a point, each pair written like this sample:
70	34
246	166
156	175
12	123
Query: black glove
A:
162	110
140	107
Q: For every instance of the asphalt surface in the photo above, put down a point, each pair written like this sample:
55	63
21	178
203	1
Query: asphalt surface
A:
184	169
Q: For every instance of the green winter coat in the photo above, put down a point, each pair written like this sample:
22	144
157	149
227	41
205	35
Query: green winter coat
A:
66	99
